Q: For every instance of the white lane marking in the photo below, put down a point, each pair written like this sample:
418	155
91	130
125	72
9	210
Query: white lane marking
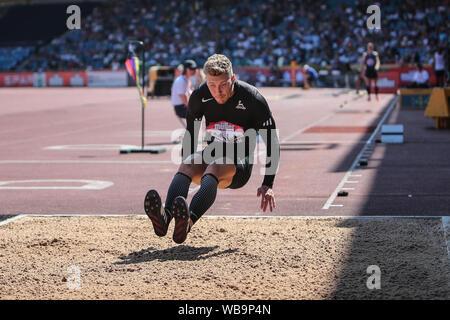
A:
355	175
348	189
297	142
87	184
5	222
56	215
351	181
323	217
89	147
83	162
56	123
320	217
446	226
100	147
150	133
34	138
333	196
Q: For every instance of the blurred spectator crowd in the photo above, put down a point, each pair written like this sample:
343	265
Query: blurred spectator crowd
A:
258	33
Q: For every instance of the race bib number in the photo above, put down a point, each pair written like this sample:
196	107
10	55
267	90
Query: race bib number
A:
370	62
224	131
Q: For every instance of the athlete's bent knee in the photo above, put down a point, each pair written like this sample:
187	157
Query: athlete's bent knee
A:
223	172
193	171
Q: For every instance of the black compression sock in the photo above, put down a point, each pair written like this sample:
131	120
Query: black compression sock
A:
368	90
178	187
376	90
204	198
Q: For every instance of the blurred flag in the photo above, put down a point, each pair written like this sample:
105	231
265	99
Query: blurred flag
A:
132	66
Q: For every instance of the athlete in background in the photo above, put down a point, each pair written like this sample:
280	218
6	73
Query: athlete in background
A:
369	69
310	76
182	89
439	67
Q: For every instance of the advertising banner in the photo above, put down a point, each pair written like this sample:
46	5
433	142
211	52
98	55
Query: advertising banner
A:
17	79
66	79
388	82
406	74
39	80
107	78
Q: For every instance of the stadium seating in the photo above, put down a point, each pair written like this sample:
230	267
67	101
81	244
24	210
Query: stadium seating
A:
11	56
252	32
24	27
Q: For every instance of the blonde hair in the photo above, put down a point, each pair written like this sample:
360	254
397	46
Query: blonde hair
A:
218	64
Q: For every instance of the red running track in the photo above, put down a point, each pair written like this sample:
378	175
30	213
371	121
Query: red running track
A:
321	130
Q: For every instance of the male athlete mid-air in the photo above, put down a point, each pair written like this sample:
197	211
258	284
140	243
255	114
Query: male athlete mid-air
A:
369	69
235	113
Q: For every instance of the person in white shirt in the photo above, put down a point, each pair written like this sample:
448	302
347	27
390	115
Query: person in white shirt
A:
309	77
420	78
439	67
198	78
182	89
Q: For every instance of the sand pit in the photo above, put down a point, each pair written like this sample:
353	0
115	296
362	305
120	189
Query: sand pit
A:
223	258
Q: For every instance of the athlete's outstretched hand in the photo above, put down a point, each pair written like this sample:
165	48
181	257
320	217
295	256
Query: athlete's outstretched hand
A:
267	198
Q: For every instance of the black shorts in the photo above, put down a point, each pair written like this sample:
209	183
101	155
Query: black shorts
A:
310	77
243	171
181	110
371	74
242	175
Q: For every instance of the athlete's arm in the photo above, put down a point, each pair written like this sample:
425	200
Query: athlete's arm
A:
184	99
377	64
269	135
267	198
267	129
193	122
273	156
